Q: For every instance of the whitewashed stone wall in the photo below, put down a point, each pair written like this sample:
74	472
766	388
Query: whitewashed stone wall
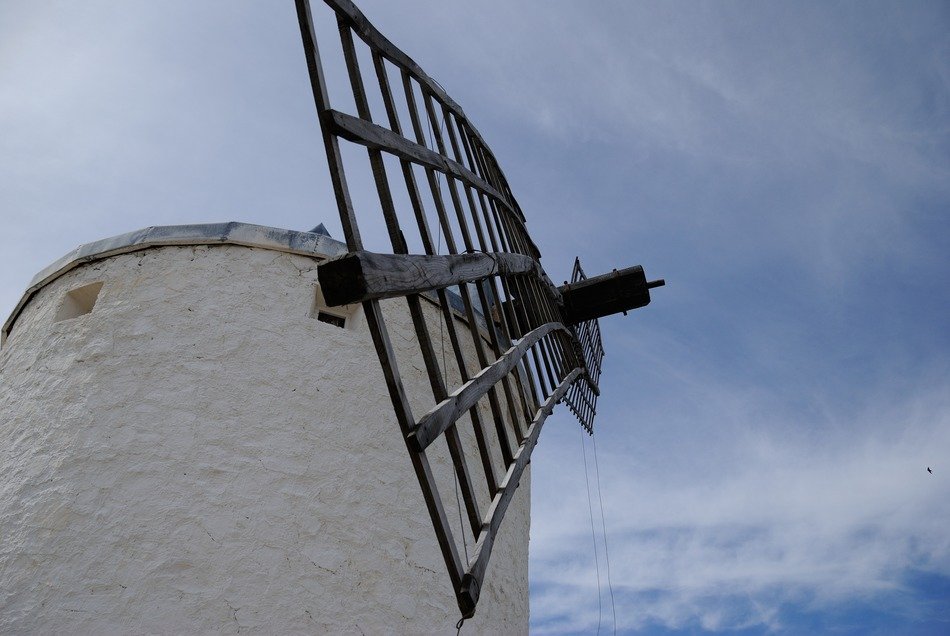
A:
198	454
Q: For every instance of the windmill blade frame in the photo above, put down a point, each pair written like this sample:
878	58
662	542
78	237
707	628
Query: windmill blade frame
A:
529	357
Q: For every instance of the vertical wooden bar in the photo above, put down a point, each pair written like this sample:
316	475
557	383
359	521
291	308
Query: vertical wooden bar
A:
330	142
445	306
374	317
400	247
436	192
504	442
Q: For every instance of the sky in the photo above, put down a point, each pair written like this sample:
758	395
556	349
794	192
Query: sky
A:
766	423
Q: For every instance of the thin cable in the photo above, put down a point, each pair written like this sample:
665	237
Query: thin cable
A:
593	534
603	522
438	175
432	129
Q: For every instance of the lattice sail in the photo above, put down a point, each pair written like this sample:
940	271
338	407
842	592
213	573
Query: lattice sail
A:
497	305
582	396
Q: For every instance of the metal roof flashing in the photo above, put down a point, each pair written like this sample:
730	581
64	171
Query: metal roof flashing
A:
318	245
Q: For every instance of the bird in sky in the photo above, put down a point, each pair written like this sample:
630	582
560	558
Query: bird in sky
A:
930	471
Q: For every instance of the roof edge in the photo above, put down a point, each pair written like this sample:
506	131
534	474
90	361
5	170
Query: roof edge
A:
230	233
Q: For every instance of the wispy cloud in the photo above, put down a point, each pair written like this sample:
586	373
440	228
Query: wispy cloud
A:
796	512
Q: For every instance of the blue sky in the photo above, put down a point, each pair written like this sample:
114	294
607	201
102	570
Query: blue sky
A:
766	424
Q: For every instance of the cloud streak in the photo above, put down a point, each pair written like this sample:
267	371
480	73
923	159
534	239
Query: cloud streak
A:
816	519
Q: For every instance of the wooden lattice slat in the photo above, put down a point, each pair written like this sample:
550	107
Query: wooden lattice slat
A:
582	398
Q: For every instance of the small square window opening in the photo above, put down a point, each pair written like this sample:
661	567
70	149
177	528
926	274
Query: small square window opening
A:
330	319
345	317
78	302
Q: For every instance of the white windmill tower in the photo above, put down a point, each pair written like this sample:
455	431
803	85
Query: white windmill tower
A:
195	433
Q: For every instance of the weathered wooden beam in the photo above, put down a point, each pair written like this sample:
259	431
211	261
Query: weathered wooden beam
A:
472	579
362	275
447	412
611	293
377	137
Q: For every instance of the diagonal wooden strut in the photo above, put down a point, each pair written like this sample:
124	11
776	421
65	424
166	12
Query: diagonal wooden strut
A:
447	412
471	582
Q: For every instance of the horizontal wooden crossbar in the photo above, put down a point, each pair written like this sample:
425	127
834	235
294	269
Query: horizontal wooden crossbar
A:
361	275
376	137
379	138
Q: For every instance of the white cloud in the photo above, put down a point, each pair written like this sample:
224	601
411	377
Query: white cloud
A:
830	515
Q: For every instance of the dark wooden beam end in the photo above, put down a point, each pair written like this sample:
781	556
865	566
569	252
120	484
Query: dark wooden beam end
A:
468	595
342	281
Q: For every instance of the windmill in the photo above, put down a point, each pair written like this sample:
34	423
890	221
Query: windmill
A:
536	344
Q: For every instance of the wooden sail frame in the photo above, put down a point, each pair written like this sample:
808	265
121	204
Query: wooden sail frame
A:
582	396
528	357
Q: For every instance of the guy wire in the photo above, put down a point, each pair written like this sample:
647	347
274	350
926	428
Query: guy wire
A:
603	522
445	371
593	535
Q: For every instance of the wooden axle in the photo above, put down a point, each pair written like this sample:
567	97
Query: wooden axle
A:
611	293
